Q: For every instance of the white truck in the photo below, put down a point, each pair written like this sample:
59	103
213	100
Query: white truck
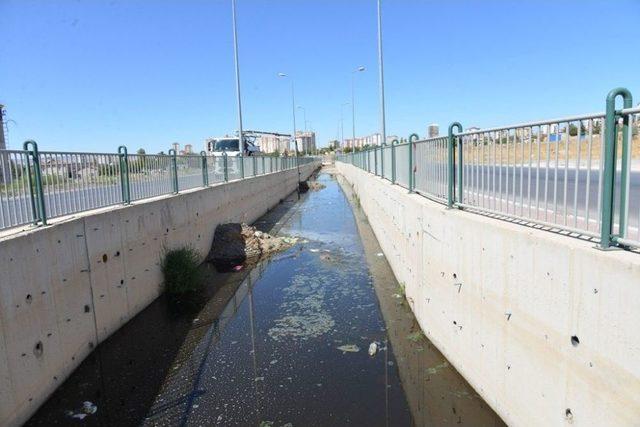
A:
229	146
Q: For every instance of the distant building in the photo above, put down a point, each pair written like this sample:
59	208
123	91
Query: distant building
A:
176	146
273	142
367	141
188	149
306	141
335	144
433	130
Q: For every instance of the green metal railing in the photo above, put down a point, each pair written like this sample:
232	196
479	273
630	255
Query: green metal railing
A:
37	185
579	175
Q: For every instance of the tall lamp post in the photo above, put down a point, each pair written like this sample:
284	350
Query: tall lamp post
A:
295	139
353	102
342	124
237	65
383	129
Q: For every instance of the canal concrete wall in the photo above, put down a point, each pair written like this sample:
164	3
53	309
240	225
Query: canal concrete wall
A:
543	326
66	287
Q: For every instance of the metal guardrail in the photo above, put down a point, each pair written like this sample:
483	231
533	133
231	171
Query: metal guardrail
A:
38	185
579	174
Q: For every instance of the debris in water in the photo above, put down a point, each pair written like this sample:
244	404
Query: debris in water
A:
380	254
88	408
235	243
316	186
237	268
314	250
266	423
373	348
349	348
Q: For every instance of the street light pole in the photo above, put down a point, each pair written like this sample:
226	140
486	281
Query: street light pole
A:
342	125
381	72
237	65
353	102
295	139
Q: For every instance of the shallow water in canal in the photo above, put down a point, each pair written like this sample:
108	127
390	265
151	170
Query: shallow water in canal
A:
284	342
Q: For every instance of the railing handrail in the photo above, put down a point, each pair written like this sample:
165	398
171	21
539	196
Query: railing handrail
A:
572	176
37	185
535	123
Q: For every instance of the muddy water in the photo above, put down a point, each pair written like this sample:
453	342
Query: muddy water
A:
283	343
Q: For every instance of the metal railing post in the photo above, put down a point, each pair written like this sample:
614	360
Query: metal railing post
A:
225	165
451	176
384	144
205	169
241	166
375	161
412	171
255	165
174	170
607	239
393	161
123	156
37	198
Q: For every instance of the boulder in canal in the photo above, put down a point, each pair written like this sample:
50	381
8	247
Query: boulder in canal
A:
235	244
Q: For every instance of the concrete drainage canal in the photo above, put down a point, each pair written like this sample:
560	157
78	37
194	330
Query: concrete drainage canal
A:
316	335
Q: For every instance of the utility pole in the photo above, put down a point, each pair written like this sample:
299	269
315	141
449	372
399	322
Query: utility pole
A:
237	66
383	129
5	164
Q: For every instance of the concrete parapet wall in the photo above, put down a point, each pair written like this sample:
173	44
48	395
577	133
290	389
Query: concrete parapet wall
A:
68	286
543	326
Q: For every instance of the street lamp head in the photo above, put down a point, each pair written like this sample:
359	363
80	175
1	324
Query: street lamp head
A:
361	68
282	75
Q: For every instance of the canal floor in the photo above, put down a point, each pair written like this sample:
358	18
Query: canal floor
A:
282	343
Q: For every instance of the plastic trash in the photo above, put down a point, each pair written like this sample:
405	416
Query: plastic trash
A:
349	348
373	348
237	268
89	407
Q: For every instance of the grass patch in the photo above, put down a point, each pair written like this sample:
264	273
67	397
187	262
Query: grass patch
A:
416	336
181	270
401	290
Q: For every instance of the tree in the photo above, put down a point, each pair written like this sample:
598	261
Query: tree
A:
573	130
597	127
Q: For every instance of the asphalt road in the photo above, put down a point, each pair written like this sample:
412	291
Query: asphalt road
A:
513	190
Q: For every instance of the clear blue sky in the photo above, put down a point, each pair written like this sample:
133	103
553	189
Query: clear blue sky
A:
91	75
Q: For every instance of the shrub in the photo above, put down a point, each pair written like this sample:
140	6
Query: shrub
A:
181	270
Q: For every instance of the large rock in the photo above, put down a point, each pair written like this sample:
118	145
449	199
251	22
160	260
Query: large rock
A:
234	244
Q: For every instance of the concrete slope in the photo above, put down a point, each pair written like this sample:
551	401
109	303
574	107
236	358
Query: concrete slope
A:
66	287
542	325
